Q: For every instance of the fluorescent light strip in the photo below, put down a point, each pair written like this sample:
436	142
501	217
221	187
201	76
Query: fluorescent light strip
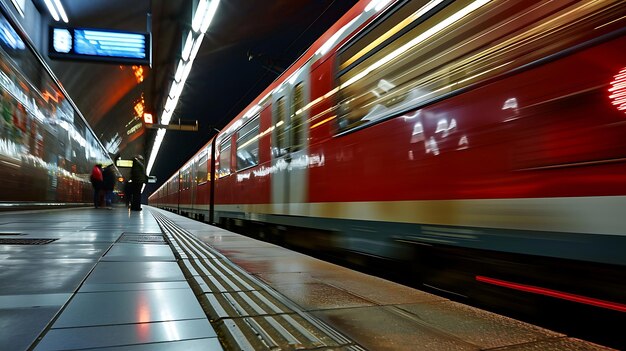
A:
51	9
61	10
155	149
171	103
208	17
179	88
186	72
195	49
179	70
167	116
199	15
173	89
202	20
174	103
188	45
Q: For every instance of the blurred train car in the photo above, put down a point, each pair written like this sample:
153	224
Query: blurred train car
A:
47	149
482	144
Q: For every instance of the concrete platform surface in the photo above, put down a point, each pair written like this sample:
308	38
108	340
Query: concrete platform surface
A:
153	280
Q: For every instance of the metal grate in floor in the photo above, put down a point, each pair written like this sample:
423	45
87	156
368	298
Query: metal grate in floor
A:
139	238
4	241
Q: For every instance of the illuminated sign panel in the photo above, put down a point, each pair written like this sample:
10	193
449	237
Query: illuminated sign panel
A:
124	163
102	45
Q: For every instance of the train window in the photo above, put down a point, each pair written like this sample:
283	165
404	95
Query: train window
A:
173	185
248	145
416	55
224	158
202	171
280	132
185	180
296	118
383	32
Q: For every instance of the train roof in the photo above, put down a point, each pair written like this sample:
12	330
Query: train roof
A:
361	13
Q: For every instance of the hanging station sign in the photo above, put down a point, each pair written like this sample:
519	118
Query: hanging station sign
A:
101	45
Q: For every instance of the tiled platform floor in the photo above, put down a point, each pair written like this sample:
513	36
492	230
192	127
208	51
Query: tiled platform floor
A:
110	282
97	291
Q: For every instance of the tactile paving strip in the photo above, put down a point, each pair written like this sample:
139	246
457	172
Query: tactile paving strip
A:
246	313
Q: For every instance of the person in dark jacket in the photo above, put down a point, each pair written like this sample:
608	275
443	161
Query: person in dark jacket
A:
128	192
108	184
96	181
138	178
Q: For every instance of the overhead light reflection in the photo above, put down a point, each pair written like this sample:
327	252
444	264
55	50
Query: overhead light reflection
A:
377	5
420	38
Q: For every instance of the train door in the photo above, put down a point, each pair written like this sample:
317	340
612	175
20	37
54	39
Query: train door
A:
290	142
193	179
179	189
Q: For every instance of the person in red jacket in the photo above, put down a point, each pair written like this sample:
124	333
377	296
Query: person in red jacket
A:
96	181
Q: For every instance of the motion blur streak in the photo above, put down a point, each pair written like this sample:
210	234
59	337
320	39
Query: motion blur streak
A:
554	293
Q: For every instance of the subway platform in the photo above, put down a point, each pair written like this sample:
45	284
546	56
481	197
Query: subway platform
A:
92	279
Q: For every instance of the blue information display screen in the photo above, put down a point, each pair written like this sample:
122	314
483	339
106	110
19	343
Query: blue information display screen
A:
99	45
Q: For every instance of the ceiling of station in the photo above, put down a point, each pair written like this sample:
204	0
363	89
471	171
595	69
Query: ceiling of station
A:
107	94
222	82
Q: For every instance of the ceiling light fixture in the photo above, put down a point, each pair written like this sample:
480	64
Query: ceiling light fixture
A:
61	10
199	15
187	46
208	16
52	10
201	20
56	8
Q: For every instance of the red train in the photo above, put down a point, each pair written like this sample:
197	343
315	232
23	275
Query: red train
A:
491	134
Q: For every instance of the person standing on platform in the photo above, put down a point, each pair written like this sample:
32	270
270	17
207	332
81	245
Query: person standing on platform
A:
108	176
96	181
138	178
128	192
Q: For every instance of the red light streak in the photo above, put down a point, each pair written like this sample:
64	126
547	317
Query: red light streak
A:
618	90
554	293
